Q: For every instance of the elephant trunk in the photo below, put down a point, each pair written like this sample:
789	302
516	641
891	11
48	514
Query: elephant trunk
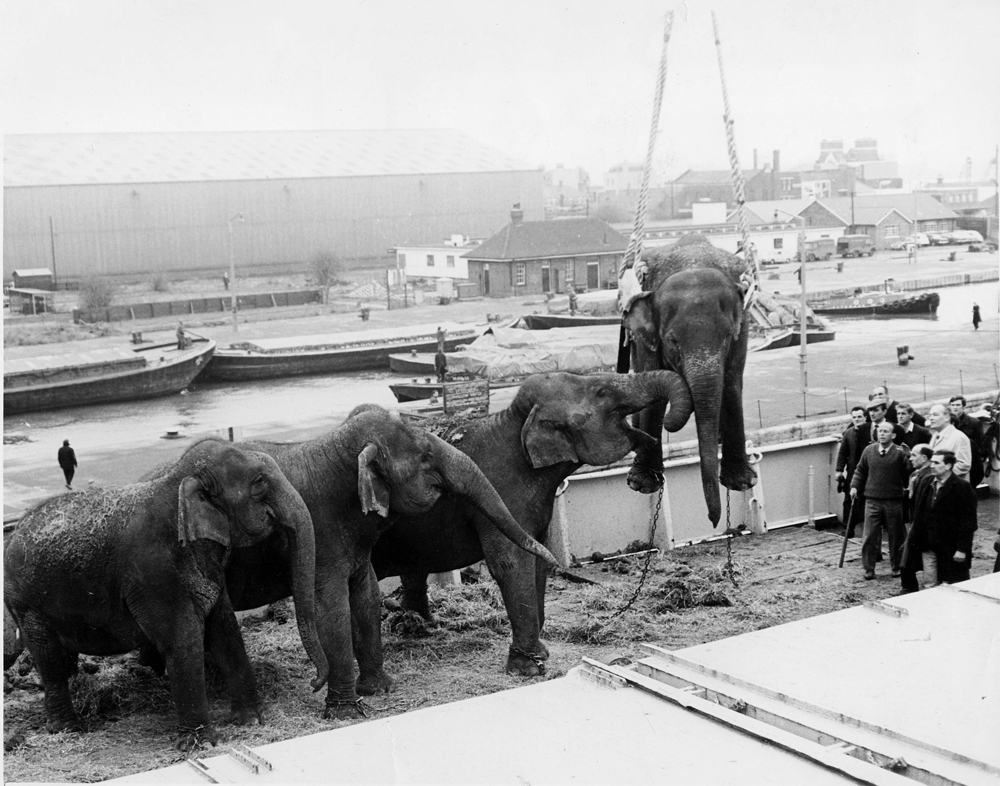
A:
463	477
650	386
293	513
704	373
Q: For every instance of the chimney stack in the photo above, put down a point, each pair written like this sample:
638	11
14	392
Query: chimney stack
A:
777	161
516	215
755	158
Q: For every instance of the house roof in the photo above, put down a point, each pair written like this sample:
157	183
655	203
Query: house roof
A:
762	211
714	176
871	209
547	239
72	159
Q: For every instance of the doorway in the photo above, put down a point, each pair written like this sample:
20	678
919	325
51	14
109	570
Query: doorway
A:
486	279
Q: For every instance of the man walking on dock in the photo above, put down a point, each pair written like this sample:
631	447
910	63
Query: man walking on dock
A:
882	476
67	461
944	522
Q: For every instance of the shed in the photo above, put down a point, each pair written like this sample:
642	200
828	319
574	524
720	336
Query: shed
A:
30	301
34	278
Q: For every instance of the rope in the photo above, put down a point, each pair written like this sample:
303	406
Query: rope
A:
634	250
751	275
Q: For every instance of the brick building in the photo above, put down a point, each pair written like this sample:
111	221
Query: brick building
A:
535	257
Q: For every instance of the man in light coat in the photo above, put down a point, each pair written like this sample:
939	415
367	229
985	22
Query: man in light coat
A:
946	437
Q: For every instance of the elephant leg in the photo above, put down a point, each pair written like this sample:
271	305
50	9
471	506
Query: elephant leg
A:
415	594
333	620
646	474
515	574
178	631
541	579
150	657
55	665
366	627
225	643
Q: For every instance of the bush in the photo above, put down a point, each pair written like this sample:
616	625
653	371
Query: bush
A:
97	292
159	283
327	268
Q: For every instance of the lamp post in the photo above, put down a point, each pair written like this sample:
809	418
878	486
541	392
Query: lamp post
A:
232	267
803	370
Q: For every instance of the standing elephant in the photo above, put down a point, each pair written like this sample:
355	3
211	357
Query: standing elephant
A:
555	424
690	319
356	481
107	571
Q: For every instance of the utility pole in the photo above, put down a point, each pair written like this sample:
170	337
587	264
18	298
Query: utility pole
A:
52	237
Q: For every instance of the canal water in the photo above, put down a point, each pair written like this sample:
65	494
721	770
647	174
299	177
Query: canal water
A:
270	407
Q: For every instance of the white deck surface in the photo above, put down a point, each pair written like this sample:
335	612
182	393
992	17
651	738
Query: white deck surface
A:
930	675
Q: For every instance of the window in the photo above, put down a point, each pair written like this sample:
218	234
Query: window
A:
400	260
430	260
449	260
786	184
779	242
892	231
522	273
569	271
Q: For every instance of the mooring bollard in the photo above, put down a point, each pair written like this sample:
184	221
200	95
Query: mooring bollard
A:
903	355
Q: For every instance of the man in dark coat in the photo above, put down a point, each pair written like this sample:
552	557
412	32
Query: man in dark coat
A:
944	522
920	461
852	442
67	460
882	476
973	429
914	435
882	392
877	413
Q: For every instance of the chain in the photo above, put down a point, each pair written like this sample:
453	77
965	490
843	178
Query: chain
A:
729	546
649	557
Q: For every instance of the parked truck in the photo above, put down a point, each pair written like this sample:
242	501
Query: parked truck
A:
823	248
855	246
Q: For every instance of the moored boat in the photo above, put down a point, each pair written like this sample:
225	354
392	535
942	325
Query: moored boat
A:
101	376
879	304
549	321
331	353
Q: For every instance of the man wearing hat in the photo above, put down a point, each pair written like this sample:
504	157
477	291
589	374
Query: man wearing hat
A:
877	409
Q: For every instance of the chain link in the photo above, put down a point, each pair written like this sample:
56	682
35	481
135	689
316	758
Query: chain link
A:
649	556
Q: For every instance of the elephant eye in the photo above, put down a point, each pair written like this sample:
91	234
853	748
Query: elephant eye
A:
258	488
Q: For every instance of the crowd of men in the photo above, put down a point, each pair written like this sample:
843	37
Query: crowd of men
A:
915	478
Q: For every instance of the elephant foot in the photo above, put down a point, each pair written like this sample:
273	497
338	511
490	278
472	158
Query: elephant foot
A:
738	478
378	682
246	715
189	738
410	623
526	664
346	709
645	480
58	725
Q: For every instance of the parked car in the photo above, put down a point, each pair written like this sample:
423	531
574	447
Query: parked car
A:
961	236
855	246
985	246
822	248
937	239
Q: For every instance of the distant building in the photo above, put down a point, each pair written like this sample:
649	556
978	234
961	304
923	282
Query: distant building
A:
883	217
863	160
627	176
957	195
566	192
436	260
536	257
132	204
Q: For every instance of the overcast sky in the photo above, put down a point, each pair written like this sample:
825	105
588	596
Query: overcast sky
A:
549	82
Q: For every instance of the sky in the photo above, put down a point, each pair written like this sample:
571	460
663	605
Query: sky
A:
548	82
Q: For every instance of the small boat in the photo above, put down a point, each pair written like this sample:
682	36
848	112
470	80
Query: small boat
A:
421	391
101	376
549	321
791	337
890	304
331	354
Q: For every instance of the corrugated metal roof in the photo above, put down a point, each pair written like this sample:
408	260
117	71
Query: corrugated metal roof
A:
545	239
73	159
874	207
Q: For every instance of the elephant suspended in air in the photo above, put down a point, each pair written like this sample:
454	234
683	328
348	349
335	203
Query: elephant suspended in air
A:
690	319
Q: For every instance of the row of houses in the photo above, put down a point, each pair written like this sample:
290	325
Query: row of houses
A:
539	257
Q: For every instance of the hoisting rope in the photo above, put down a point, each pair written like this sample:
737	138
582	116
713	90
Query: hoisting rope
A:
630	284
751	274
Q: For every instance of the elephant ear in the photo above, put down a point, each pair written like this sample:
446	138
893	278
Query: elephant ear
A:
372	489
544	444
197	518
641	324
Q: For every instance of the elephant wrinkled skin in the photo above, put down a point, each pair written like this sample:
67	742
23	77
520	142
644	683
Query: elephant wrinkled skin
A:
107	571
690	319
556	423
356	481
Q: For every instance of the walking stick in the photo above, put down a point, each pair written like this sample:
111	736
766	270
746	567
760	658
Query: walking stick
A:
847	528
